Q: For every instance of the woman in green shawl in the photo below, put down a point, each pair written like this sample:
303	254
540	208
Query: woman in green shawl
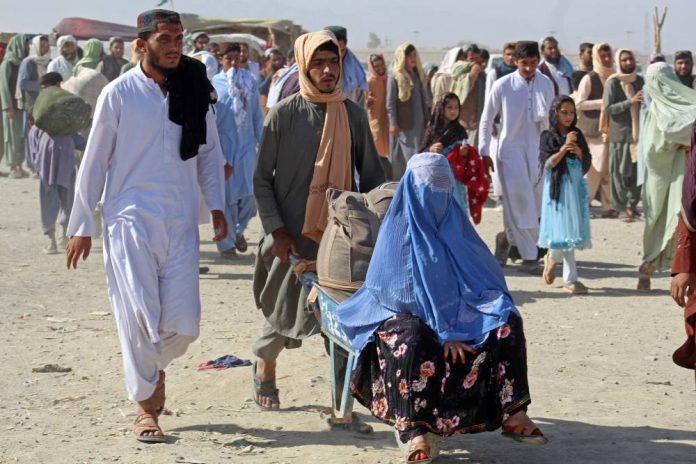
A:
12	116
91	55
665	137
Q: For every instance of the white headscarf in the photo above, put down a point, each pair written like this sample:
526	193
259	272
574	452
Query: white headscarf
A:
36	56
449	60
61	65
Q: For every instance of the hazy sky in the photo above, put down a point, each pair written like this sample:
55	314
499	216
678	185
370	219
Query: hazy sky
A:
442	23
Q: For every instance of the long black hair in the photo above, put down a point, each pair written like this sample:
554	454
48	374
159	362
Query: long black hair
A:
553	139
441	130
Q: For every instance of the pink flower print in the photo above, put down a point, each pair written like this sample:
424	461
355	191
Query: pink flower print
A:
419	385
442	385
420	403
400	351
479	360
447	370
382	364
471	378
398	372
447	425
380	407
403	388
389	340
401	423
506	392
435	412
503	331
427	370
378	386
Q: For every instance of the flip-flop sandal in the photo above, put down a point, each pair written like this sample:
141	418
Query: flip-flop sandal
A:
266	389
433	439
139	430
515	432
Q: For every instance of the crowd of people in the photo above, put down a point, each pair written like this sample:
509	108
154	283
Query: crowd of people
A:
171	131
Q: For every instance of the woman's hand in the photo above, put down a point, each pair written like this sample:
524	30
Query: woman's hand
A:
572	137
454	350
436	148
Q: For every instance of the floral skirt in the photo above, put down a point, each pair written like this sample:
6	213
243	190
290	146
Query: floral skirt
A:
403	378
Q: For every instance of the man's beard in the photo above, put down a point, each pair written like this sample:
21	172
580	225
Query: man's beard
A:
554	60
69	56
161	69
628	70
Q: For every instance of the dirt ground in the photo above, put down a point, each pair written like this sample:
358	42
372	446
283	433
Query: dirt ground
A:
603	384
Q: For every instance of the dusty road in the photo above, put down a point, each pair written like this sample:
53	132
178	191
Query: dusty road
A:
603	384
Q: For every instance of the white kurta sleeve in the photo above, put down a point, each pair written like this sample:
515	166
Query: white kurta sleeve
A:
491	77
490	111
95	163
211	162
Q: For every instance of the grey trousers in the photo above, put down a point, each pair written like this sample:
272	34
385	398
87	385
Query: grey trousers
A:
625	192
271	343
56	204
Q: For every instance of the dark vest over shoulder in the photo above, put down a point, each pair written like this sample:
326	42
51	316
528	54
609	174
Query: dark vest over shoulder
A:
588	122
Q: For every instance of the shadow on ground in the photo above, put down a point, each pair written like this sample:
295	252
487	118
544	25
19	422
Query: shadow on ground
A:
570	442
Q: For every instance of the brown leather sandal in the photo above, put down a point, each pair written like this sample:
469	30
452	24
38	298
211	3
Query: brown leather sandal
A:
140	429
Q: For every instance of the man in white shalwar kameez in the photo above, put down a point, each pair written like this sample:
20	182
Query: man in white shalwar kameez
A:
522	99
150	172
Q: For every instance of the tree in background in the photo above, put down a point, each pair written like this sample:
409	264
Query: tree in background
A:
373	41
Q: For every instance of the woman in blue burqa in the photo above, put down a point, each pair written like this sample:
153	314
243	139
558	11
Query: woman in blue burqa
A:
440	342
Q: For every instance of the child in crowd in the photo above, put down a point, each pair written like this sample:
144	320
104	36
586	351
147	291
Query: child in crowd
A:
54	159
565	212
445	135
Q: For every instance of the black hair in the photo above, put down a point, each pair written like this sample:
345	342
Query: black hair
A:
231	48
604	48
485	55
556	107
290	54
50	79
461	55
409	49
584	46
439	130
472	48
328	47
548	39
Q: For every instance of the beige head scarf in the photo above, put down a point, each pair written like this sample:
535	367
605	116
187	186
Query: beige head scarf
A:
404	81
597	66
332	167
626	81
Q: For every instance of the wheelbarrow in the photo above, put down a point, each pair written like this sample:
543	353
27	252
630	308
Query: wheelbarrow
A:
324	309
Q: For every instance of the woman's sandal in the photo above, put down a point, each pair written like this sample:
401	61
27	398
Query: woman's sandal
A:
416	449
267	389
517	433
141	429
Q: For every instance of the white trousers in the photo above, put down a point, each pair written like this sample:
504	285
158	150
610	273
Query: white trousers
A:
520	177
152	277
570	270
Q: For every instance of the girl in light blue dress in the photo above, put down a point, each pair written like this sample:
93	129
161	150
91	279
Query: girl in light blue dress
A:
565	211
